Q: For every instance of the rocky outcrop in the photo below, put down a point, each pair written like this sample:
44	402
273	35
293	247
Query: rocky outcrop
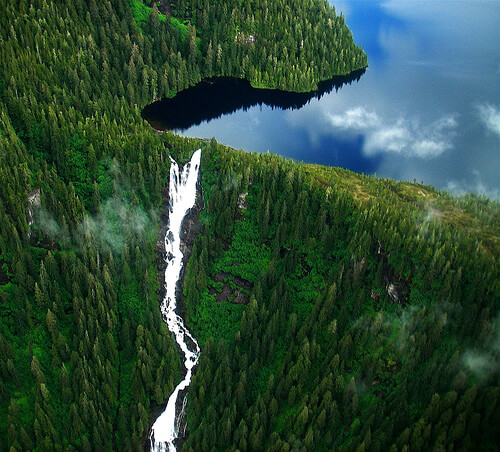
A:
234	290
393	292
34	203
191	226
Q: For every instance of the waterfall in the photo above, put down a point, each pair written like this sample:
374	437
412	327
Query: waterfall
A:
182	196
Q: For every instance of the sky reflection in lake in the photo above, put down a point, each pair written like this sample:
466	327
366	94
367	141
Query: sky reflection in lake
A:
427	108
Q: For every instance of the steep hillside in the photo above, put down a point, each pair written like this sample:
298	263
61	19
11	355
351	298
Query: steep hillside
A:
310	255
85	357
341	312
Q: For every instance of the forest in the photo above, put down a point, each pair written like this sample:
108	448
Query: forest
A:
335	311
340	312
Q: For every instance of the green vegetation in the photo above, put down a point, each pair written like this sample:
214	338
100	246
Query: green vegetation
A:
176	23
272	44
141	12
371	317
287	287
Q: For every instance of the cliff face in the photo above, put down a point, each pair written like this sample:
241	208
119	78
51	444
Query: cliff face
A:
191	227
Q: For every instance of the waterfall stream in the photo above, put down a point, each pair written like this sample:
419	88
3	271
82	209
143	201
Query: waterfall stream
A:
182	196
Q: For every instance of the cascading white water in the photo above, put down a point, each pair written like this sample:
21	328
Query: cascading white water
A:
182	194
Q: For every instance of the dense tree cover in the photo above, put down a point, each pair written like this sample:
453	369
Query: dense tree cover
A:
288	45
372	319
85	357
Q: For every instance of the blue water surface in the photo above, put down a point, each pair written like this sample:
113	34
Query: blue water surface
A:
427	108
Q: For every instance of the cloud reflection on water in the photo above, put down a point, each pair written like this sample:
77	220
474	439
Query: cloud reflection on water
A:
427	107
431	91
490	116
403	136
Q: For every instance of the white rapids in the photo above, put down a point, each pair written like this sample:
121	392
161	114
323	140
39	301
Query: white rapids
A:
182	196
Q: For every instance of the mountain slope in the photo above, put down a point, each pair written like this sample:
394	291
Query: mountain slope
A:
371	317
85	358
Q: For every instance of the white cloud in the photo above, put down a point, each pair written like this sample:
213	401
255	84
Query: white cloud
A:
354	118
490	117
429	148
478	186
388	139
486	361
482	364
402	136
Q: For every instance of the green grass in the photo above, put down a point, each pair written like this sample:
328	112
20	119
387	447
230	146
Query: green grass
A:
176	23
426	202
141	13
216	320
245	257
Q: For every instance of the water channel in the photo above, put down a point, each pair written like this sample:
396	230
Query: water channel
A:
182	196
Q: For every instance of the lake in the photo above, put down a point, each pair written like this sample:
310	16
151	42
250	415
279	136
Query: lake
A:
427	107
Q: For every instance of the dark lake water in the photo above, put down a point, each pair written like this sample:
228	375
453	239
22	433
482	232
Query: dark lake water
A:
427	107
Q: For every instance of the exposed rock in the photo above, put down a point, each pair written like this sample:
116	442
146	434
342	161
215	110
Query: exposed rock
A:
393	292
234	296
221	277
34	203
241	298
224	295
396	286
242	204
359	265
243	283
164	7
190	228
242	38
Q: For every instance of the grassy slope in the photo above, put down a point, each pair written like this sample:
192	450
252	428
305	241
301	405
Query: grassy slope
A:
141	12
428	203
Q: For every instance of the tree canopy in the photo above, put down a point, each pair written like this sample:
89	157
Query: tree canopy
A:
334	310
